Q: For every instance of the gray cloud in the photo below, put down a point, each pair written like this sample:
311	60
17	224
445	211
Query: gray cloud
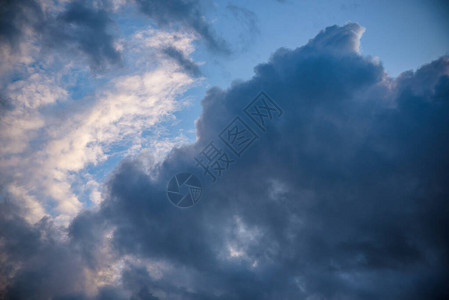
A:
344	196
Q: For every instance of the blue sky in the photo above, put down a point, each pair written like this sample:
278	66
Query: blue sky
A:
342	196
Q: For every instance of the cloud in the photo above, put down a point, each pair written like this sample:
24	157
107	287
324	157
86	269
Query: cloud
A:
186	13
86	29
342	194
187	64
79	28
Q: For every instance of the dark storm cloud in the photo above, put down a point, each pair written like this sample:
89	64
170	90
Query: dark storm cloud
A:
184	62
343	197
79	28
186	13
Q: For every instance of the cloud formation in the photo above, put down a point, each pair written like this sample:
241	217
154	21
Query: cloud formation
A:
343	194
78	27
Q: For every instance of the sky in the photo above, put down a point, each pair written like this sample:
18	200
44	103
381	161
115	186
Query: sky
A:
199	149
